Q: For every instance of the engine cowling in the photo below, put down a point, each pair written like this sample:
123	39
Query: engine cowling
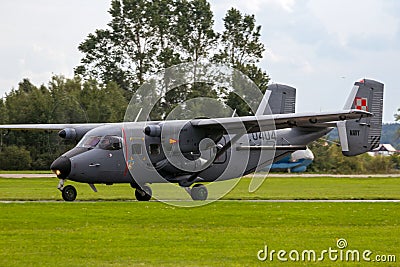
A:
182	134
68	134
152	130
75	134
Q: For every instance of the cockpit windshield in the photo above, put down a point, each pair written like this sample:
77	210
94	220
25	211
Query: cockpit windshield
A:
108	142
89	141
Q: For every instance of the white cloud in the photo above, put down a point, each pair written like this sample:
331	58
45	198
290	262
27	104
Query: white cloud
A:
321	41
254	6
40	38
287	5
356	18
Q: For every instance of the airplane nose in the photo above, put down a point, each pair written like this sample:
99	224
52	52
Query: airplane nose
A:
61	167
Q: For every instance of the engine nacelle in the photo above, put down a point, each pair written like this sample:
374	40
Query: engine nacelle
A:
153	130
75	134
68	134
179	134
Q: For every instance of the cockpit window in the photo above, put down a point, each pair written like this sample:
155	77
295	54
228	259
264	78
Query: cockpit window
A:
89	141
110	143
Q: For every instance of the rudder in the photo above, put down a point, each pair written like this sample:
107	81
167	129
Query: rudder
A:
362	135
281	99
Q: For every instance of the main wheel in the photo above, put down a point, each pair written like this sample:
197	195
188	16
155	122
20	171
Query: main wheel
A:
144	193
199	192
69	193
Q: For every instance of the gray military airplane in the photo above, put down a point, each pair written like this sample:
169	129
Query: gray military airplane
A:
142	153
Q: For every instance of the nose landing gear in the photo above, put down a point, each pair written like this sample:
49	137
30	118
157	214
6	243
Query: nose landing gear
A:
68	192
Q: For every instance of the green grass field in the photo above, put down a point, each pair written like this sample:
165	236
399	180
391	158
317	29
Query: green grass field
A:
219	234
272	188
113	233
26	172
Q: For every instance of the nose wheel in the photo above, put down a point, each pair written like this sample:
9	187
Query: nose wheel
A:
143	193
69	193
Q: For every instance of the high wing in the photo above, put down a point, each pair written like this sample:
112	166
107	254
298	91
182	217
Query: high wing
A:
279	121
50	127
251	124
66	131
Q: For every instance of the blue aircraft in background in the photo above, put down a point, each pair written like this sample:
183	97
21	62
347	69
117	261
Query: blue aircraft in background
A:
298	161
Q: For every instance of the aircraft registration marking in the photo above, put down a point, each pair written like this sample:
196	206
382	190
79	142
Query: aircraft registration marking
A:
266	135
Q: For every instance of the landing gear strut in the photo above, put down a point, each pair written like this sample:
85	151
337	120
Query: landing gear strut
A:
199	192
143	193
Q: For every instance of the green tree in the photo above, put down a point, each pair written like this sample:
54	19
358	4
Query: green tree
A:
126	52
241	48
103	103
61	101
240	39
14	158
380	164
194	27
395	159
3	112
329	159
322	158
397	118
146	35
3	120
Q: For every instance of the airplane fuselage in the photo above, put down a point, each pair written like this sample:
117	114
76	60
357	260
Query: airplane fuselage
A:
137	159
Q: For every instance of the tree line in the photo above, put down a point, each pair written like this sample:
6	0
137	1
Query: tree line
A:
61	101
329	159
142	37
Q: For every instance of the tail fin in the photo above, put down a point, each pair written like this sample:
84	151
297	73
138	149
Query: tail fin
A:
363	135
281	99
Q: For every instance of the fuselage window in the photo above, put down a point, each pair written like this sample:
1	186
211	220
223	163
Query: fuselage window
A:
154	149
222	158
137	149
110	143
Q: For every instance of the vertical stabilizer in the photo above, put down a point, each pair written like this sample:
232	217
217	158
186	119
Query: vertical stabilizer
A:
362	135
281	99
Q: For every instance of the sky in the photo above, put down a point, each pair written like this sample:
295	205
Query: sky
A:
321	47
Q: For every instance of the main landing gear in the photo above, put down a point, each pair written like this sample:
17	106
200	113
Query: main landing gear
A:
143	193
197	192
68	192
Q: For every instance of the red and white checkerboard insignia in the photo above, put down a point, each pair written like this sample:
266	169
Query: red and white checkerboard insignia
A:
361	103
